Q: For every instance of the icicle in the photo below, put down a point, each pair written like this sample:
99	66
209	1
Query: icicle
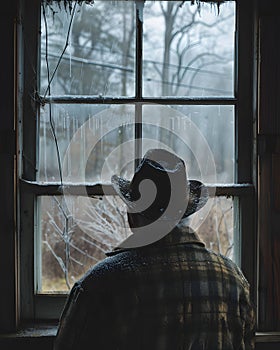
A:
139	9
70	57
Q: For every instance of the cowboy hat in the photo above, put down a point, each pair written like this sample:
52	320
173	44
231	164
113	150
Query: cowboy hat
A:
159	189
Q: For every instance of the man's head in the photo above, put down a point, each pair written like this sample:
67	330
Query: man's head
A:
160	191
137	220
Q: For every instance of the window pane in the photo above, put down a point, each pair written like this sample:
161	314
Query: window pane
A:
188	52
99	56
75	233
202	135
216	227
89	142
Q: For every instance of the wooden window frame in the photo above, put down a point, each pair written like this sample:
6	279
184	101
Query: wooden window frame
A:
24	306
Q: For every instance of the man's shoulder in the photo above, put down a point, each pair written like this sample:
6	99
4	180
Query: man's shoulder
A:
110	266
131	263
227	265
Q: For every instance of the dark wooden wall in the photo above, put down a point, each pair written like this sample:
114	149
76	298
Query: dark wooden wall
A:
269	172
8	168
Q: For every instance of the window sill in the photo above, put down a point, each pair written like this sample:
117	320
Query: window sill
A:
33	331
49	330
267	337
31	337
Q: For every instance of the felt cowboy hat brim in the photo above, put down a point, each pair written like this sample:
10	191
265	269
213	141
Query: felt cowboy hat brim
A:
154	166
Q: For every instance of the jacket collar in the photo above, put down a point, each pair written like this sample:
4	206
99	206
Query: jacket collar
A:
179	235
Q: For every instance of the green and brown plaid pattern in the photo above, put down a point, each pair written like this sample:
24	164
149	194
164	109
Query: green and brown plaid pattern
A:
172	295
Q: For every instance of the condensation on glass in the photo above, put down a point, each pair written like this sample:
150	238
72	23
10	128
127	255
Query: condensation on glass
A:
201	135
93	142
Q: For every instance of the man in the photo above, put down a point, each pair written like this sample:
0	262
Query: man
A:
161	289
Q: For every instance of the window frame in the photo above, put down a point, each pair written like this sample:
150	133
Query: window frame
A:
48	307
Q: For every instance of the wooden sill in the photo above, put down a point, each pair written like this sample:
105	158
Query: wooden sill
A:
267	337
34	331
49	331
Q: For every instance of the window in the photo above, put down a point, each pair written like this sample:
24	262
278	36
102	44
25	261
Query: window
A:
108	81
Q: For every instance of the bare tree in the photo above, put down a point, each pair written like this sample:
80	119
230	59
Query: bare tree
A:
76	234
184	52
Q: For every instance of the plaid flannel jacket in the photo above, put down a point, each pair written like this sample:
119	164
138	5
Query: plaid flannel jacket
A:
172	295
